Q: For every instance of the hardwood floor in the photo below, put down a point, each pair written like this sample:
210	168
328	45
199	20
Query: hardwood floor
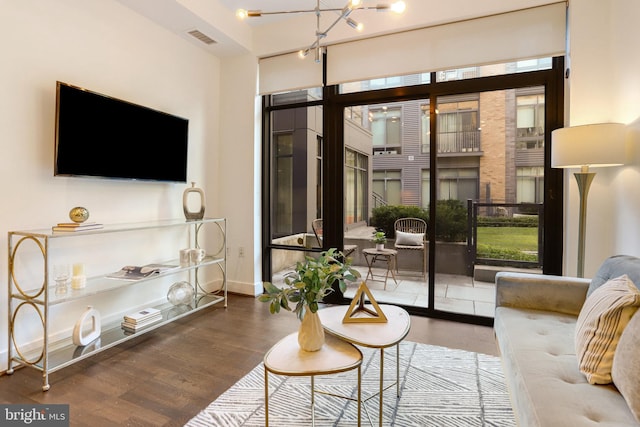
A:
165	377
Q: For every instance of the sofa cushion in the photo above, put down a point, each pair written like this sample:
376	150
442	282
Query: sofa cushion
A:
409	239
541	370
626	365
613	267
600	323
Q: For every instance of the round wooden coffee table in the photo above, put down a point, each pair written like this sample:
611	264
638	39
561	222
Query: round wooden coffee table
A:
373	335
287	358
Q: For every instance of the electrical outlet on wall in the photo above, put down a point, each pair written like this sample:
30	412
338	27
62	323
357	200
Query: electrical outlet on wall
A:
241	251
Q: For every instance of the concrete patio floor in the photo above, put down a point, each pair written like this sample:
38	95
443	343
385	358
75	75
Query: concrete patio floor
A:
453	293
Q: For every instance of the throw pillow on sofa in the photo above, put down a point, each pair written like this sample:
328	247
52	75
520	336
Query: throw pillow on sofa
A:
612	266
601	321
626	365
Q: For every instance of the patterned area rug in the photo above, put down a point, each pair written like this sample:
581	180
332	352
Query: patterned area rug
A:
439	387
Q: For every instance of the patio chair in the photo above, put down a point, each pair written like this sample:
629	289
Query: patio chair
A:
316	225
411	235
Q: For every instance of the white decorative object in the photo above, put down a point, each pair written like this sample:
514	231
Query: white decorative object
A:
185	255
196	256
82	337
311	333
379	246
61	273
189	214
181	293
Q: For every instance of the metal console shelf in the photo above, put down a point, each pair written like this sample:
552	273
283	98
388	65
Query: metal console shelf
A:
54	356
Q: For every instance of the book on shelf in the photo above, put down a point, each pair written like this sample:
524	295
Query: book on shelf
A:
73	226
134	327
133	272
143	315
77	224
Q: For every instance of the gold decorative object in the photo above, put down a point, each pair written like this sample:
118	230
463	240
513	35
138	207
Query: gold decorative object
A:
357	306
311	333
79	214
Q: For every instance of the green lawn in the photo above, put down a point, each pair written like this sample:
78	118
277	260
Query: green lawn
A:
507	242
519	238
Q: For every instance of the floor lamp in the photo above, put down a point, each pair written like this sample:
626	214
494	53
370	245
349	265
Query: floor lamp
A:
595	145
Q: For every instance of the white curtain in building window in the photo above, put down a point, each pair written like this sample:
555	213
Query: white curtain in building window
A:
530	33
288	72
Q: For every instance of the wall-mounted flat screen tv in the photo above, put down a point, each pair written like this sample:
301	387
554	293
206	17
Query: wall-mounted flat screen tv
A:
100	136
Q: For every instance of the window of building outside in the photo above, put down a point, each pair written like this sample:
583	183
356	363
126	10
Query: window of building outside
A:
387	185
425	128
319	176
386	83
284	183
530	122
532	65
530	184
458	127
425	196
458	74
458	184
355	187
386	127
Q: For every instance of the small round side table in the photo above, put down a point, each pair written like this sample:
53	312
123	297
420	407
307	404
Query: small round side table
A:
287	358
371	255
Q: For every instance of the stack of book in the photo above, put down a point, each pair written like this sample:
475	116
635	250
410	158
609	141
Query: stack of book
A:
143	318
76	226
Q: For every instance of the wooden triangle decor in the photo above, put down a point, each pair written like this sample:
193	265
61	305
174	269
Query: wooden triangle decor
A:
357	306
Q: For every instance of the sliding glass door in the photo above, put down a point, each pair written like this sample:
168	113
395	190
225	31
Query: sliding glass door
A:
464	152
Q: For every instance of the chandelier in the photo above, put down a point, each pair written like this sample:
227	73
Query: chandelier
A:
343	14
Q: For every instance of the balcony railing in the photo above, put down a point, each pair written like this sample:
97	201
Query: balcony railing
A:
459	142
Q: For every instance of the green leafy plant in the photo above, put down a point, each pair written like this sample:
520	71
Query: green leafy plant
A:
379	237
311	281
493	252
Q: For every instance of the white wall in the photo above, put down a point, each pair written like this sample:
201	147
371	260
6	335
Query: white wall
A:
238	182
604	87
103	46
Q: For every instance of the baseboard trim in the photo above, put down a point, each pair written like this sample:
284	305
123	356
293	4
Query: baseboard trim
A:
243	288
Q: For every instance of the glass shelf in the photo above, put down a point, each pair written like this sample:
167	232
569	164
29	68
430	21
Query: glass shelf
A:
54	356
114	228
66	353
100	284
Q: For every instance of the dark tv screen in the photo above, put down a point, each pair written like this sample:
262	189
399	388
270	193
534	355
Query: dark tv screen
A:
100	136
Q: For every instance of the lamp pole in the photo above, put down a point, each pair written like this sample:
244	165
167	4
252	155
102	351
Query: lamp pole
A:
584	179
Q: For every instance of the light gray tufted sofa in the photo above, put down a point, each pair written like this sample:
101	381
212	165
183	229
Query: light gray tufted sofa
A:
534	325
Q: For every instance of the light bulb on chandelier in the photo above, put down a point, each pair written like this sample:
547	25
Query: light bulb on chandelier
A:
343	14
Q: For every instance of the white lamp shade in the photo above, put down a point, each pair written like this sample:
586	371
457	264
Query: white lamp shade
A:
595	145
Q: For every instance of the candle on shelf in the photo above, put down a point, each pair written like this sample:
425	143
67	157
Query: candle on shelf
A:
78	280
78	269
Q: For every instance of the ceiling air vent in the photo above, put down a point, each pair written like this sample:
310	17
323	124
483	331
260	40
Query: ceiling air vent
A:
201	36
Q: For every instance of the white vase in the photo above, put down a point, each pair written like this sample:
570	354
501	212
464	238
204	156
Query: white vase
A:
379	246
311	333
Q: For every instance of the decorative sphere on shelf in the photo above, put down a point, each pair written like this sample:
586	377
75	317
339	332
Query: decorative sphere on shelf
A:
181	293
79	214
